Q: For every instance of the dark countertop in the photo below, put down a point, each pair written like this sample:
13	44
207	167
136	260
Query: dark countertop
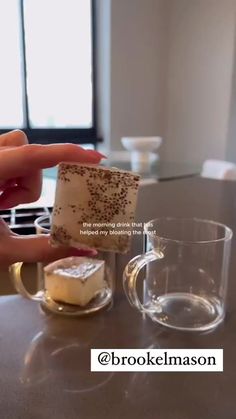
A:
45	359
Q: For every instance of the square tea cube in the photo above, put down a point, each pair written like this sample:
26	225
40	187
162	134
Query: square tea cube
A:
94	207
74	280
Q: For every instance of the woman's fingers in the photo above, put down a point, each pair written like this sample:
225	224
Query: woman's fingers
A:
35	248
22	166
27	189
13	139
20	161
5	231
32	248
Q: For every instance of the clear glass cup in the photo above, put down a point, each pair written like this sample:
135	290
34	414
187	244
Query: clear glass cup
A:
186	265
102	298
42	226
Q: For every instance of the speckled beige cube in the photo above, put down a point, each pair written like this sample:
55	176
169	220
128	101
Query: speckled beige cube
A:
94	207
74	280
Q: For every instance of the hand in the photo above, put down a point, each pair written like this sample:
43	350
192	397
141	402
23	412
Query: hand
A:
21	167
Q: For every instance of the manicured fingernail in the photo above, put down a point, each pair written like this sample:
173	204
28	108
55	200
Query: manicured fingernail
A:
102	155
97	153
85	252
93	252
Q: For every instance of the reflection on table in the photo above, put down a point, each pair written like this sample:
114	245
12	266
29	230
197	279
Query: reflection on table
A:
45	359
160	170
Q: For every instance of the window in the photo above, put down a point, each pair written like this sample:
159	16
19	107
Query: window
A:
47	69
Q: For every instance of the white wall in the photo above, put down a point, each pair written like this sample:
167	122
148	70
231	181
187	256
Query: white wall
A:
231	137
134	81
199	79
103	67
166	70
138	67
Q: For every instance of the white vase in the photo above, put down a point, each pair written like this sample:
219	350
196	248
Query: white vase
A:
142	155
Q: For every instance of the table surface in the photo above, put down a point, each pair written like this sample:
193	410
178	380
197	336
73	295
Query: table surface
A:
160	170
45	359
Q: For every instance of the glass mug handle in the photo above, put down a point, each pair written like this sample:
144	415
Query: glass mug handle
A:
15	273
130	277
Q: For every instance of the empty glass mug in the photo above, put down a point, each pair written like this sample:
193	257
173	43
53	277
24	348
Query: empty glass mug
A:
186	273
102	297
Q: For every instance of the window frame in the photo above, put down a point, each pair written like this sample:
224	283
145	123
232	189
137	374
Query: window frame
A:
59	135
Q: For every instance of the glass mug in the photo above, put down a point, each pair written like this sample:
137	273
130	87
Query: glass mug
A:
186	273
102	298
42	225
